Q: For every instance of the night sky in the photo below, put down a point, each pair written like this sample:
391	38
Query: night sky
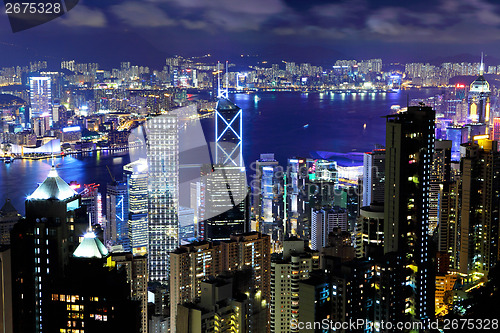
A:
319	31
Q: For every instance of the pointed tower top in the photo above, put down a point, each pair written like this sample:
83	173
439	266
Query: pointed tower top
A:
481	68
90	247
53	187
221	93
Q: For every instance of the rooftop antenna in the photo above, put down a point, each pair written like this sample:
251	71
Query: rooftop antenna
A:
109	171
218	80
481	68
227	79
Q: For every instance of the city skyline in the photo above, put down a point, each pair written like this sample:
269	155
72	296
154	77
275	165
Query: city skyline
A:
277	29
342	166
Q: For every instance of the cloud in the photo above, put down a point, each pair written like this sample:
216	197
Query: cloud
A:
262	7
434	22
141	14
82	16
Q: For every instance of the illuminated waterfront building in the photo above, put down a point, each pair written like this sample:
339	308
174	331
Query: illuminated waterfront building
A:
226	202
479	99
163	193
40	97
495	135
408	163
92	200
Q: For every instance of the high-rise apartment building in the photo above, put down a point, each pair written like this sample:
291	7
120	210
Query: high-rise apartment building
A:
440	173
479	202
287	270
191	264
373	177
137	278
324	221
408	163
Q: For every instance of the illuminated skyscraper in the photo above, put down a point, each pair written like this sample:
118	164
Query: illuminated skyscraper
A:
117	214
440	173
409	152
163	193
40	96
479	99
136	175
297	209
373	177
228	130
267	194
41	244
480	203
226	189
226	201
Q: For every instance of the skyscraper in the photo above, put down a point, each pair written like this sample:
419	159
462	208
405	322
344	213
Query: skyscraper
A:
8	217
193	263
409	153
40	96
287	270
228	133
440	173
267	194
373	177
226	196
480	202
117	214
43	243
479	99
226	201
163	192
136	176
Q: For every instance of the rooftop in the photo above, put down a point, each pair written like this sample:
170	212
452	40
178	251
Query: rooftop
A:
90	247
53	187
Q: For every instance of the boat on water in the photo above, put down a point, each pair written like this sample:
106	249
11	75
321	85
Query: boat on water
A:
306	125
257	98
7	160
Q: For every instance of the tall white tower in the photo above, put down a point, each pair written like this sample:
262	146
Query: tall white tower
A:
163	193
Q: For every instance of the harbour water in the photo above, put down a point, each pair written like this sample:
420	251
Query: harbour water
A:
273	122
